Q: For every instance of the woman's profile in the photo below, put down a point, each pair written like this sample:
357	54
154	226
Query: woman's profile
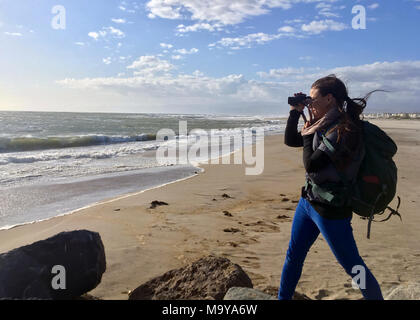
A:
332	149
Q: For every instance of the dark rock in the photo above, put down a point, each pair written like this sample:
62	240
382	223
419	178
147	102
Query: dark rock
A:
207	278
227	213
225	195
87	297
26	272
406	291
156	203
282	217
273	291
285	199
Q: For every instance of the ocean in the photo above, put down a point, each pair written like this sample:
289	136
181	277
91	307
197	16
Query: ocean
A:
53	163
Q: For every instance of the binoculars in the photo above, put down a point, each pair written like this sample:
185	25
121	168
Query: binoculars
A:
299	98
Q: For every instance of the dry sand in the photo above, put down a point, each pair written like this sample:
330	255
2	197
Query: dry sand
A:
142	243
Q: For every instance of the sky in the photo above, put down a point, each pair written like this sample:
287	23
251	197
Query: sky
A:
238	57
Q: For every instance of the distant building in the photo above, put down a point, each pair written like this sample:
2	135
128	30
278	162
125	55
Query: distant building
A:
388	115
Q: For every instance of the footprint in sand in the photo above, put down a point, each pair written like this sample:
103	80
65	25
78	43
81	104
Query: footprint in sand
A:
251	263
227	213
233	230
252	258
156	203
226	196
263	226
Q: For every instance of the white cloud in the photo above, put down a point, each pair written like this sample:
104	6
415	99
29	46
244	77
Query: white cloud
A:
107	32
185	51
316	27
13	34
93	35
282	72
374	6
286	29
79	43
150	65
107	60
166	45
119	21
300	30
214	14
176	57
117	33
236	93
199	26
294	21
247	41
327	10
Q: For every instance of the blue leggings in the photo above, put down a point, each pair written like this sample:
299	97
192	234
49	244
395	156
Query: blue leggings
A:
307	224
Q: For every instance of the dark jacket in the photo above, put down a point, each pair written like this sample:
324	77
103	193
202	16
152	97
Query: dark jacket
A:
321	164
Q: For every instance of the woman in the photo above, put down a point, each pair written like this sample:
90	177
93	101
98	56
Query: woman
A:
332	151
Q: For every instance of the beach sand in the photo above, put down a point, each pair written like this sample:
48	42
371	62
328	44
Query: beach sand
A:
142	243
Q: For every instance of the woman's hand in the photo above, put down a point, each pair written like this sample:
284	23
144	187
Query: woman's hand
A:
299	108
312	118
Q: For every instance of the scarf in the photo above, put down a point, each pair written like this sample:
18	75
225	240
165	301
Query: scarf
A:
330	117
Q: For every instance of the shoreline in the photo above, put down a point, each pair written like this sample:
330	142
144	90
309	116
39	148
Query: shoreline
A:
142	243
98	203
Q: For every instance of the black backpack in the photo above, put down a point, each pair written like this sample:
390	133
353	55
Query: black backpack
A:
376	183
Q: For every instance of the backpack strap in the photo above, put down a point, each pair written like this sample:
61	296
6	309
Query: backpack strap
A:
330	147
393	212
328	196
324	193
327	143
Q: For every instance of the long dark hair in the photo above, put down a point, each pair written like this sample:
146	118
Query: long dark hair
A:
350	125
